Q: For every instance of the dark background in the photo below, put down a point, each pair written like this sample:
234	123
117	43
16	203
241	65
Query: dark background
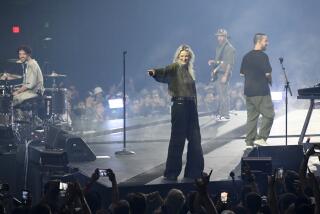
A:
89	37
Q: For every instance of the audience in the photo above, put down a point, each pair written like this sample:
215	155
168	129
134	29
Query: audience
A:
155	101
294	193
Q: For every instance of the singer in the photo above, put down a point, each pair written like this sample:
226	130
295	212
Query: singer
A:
184	115
256	69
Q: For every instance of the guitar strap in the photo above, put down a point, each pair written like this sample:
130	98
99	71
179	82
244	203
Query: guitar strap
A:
219	58
221	52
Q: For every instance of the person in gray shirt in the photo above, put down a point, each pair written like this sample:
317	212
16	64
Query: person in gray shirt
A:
221	72
32	84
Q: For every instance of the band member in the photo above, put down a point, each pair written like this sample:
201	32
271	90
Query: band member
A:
184	114
221	72
32	77
256	69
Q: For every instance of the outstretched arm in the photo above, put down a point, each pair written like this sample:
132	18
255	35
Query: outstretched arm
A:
162	74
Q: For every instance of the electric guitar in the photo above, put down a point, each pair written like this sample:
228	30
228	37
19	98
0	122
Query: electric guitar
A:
214	71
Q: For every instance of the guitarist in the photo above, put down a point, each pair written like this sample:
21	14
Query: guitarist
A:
222	66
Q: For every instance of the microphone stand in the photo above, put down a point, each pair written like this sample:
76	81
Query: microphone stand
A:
287	87
124	150
234	187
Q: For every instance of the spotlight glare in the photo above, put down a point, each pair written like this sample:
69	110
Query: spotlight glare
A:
276	95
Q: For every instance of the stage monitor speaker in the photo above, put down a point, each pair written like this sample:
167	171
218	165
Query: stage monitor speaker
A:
42	156
257	165
55	135
75	147
286	157
53	158
260	167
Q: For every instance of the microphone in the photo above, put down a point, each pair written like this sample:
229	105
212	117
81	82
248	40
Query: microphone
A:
281	59
124	52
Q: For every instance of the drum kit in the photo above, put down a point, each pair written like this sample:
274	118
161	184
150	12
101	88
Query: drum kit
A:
53	104
6	90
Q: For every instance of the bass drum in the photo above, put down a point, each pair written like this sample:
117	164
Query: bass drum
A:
56	101
5	120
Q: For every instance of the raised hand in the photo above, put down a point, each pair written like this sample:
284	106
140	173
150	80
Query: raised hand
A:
202	183
95	175
111	175
310	151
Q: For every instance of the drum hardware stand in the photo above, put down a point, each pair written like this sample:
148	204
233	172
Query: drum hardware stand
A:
47	122
14	124
26	163
55	89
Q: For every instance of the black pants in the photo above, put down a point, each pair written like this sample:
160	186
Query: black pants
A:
185	125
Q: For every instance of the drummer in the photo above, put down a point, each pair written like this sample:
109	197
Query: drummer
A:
32	84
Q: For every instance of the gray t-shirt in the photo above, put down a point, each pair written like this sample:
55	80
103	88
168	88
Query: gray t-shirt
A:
225	53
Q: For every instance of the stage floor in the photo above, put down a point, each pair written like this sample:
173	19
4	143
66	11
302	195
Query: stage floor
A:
223	145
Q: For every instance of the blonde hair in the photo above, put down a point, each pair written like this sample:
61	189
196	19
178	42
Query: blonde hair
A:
191	61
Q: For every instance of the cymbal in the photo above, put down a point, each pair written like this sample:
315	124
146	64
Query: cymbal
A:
14	61
54	74
8	76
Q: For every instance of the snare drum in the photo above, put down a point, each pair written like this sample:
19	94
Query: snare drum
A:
6	90
57	99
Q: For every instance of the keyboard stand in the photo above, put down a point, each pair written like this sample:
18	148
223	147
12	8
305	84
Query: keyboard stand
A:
307	120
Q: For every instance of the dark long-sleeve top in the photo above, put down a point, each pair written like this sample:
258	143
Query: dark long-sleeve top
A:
179	80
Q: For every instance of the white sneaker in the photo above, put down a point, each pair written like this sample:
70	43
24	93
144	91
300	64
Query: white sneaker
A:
260	142
223	119
248	147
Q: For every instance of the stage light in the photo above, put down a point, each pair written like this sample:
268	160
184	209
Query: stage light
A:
15	29
276	95
115	103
